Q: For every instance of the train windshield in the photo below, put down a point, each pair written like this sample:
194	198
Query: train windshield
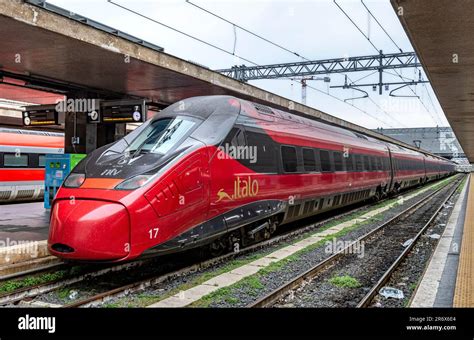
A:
160	136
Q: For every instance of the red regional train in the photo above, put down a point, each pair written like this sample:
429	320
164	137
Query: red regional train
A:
215	171
22	155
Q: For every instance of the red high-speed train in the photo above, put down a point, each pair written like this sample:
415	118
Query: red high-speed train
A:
217	171
22	155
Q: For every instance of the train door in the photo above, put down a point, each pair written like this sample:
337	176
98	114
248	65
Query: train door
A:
425	178
391	169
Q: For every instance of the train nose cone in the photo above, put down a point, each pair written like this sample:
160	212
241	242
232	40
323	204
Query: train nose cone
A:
89	230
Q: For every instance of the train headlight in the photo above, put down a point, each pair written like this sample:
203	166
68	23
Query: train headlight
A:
74	180
134	182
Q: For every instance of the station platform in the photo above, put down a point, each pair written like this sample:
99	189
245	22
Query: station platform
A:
448	280
23	222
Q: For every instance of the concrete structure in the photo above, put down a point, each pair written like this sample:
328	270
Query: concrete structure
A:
438	140
441	32
46	48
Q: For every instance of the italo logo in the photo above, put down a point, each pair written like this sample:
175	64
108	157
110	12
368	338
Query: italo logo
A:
243	188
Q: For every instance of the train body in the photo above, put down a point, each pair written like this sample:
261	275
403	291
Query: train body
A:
215	171
22	155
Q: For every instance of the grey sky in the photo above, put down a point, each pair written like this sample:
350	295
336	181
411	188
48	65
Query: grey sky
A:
314	29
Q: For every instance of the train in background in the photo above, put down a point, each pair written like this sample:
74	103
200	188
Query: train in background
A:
462	165
22	162
217	172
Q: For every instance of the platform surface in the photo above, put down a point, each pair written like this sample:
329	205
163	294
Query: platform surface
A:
23	222
464	293
436	288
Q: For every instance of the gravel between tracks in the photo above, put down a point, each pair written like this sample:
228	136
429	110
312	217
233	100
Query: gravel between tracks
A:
381	250
406	277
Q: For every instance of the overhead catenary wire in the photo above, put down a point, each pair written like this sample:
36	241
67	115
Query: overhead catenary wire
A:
399	75
375	47
285	49
181	32
383	29
355	25
246	30
230	53
342	101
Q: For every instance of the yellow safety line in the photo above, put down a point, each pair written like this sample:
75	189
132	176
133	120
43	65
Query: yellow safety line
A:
464	293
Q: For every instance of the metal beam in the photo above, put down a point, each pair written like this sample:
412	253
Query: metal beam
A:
348	86
377	62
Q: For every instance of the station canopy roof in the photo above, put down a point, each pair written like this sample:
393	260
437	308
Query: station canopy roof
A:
441	33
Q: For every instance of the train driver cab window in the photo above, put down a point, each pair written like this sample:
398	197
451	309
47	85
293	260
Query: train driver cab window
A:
288	156
13	160
309	160
161	135
325	161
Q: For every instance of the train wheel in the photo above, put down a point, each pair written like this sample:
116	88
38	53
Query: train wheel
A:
217	247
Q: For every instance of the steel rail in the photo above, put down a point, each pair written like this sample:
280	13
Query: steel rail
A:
296	282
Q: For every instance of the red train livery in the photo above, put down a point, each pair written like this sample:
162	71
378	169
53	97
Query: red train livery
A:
215	171
22	162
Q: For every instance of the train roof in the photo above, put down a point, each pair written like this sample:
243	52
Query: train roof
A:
30	138
32	132
219	111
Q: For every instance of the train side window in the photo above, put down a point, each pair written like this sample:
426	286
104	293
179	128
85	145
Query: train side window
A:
13	160
239	138
325	161
41	161
259	153
366	163
288	156
338	166
309	160
349	163
378	163
359	163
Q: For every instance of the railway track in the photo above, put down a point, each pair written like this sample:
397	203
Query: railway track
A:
35	291
301	282
32	291
36	266
141	285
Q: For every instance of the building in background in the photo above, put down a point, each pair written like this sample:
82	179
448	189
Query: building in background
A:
438	140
